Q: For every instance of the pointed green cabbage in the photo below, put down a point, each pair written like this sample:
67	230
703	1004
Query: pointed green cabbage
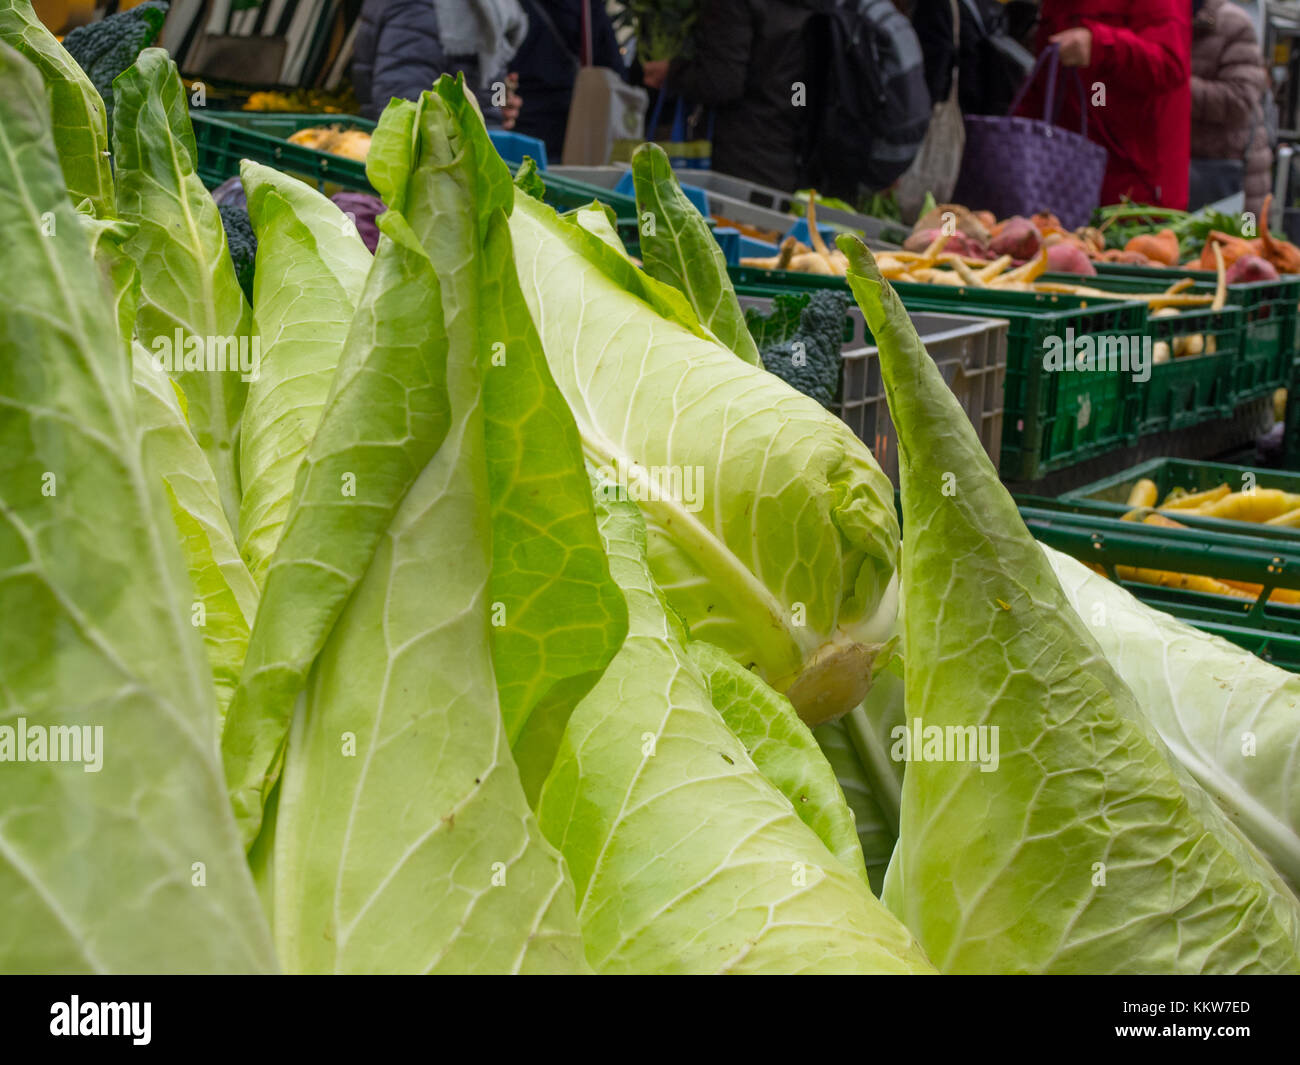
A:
224	602
772	530
1079	847
225	598
876	834
403	838
188	285
134	867
685	857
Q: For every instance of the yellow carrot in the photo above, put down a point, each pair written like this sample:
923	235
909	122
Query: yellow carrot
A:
1290	520
1179	500
1257	506
994	268
1192	582
1279	595
1143	494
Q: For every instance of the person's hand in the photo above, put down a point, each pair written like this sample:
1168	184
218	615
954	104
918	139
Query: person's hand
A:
1075	45
654	72
514	102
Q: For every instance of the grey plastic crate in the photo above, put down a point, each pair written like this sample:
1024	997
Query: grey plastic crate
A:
971	353
762	196
745	201
604	176
734	208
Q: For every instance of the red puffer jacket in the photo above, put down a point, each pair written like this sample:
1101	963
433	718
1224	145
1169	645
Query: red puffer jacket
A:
1141	54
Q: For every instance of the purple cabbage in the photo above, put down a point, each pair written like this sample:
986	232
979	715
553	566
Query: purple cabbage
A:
364	207
230	193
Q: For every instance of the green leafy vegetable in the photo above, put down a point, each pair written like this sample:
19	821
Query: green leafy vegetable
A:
124	857
1093	853
242	243
106	48
1230	719
420	853
801	339
528	179
225	598
771	528
685	856
876	833
314	266
193	318
679	249
80	127
782	749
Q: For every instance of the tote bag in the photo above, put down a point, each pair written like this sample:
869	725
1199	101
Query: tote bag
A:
1015	165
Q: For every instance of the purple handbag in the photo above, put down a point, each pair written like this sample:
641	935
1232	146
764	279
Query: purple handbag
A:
1021	166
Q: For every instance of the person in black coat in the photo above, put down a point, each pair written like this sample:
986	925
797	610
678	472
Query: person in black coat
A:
747	56
547	64
402	46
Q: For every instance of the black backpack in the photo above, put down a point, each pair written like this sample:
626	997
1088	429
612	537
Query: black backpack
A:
868	104
993	64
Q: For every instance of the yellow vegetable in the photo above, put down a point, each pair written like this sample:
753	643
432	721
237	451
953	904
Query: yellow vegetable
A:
1143	494
1180	500
1191	582
1290	520
1257	506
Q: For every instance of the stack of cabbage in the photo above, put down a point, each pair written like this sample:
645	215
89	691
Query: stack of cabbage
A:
479	626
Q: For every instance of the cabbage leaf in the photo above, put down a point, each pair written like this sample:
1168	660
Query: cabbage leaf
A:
80	125
311	266
1232	720
188	285
134	866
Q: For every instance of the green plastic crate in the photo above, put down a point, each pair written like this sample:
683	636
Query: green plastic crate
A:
225	137
1050	420
1169	474
1271	342
1093	532
1192	389
1189	390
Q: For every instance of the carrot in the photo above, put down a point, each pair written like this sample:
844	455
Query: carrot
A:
1257	506
1143	494
1180	500
1159	247
1233	249
1289	520
1191	582
1278	595
1281	253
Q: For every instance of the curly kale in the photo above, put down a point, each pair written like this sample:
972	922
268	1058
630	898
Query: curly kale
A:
242	242
801	339
105	48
